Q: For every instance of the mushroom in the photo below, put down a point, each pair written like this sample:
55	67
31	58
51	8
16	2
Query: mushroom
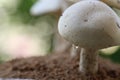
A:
91	25
47	6
54	7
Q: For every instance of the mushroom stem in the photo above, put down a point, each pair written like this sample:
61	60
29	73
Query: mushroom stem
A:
75	50
88	61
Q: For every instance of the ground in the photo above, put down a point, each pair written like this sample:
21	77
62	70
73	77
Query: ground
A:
57	66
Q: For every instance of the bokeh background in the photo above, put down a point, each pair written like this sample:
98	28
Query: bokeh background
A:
24	35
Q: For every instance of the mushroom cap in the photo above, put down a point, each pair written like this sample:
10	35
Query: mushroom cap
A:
45	6
89	24
48	6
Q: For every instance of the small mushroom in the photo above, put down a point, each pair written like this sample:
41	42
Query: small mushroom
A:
92	25
47	6
54	7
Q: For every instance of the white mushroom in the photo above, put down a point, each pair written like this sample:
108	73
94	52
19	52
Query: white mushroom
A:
53	7
46	6
92	25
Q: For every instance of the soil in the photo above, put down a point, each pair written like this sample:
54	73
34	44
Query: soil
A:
58	66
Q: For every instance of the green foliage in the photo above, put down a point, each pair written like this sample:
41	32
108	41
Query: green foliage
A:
4	57
22	11
114	57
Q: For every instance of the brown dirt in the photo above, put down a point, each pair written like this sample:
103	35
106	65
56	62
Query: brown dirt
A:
56	67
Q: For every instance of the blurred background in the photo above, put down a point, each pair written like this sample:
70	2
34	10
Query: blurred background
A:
24	32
